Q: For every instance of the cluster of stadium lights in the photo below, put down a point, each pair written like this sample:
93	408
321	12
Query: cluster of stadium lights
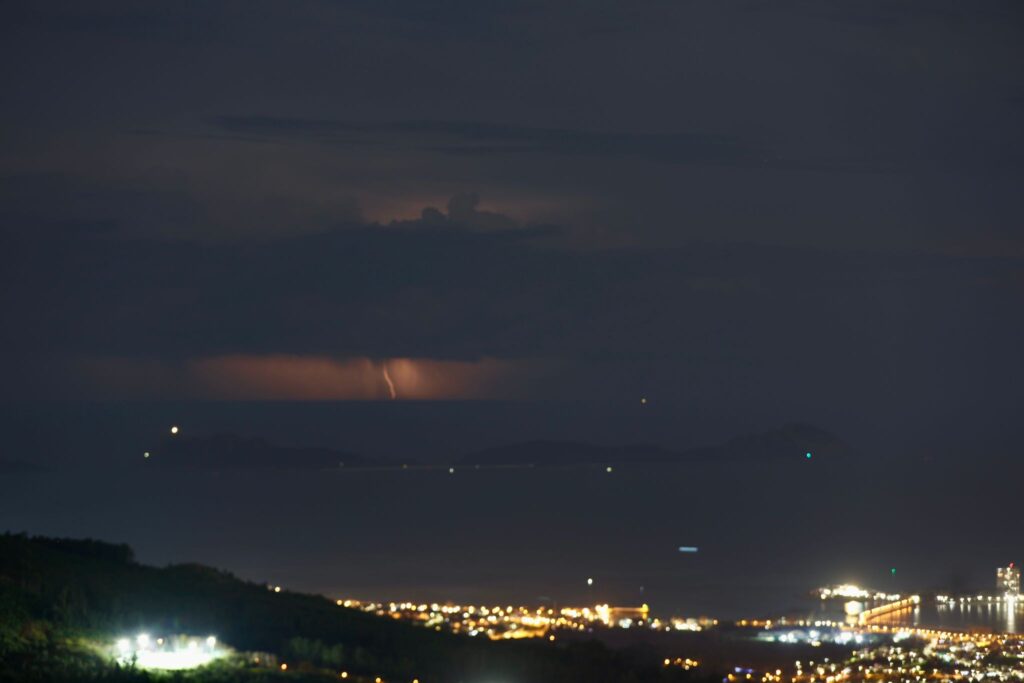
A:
171	654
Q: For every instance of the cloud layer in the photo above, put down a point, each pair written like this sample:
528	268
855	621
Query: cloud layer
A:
480	309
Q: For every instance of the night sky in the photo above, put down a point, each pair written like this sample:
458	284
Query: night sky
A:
252	217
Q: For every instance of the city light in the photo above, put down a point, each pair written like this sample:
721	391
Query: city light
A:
684	663
852	591
868	628
935	655
174	429
874	622
509	622
1008	580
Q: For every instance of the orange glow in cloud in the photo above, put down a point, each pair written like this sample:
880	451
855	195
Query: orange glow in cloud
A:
281	377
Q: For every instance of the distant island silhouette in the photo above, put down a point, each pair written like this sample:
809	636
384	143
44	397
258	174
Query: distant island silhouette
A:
227	452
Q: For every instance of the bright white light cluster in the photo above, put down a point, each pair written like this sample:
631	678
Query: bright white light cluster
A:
172	654
848	590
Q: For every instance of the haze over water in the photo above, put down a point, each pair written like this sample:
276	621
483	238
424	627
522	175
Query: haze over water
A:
534	536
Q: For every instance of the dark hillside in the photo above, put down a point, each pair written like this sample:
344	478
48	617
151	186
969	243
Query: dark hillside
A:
52	590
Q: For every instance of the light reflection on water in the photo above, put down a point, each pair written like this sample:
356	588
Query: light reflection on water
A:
997	617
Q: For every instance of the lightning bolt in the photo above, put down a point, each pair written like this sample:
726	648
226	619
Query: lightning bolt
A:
391	384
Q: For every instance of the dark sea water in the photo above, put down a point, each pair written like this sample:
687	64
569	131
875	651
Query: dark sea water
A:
767	532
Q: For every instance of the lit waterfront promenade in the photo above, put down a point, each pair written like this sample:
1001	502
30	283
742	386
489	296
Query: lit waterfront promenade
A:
867	616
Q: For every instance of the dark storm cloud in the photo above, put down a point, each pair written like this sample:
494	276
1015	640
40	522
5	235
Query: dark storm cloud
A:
770	202
482	138
111	19
875	125
33	201
887	13
494	140
157	202
758	319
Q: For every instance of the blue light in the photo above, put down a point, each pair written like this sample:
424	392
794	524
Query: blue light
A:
687	548
808	456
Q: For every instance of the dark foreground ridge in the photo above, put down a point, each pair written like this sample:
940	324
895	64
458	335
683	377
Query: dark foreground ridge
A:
63	603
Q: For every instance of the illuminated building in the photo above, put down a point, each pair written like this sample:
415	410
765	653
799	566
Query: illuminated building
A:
623	616
1008	580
